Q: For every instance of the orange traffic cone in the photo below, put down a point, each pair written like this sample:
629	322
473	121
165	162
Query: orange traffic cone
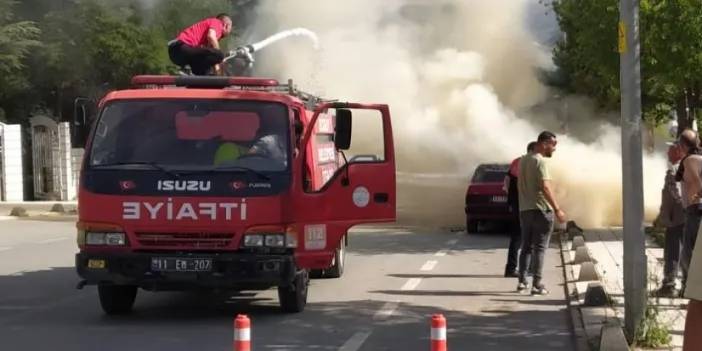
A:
242	333
438	333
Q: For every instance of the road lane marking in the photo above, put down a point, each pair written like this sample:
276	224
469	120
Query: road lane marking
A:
5	248
52	240
428	266
356	341
411	284
386	311
15	308
441	253
452	242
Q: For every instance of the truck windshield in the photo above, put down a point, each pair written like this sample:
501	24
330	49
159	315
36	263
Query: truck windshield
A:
202	135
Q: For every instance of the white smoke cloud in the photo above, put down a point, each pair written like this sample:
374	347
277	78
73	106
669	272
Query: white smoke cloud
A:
460	78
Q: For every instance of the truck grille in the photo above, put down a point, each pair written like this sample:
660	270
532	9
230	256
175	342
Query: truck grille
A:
185	240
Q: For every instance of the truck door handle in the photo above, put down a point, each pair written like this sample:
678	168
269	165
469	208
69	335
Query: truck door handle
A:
381	198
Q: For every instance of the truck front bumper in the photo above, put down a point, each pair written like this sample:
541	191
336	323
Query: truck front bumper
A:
229	270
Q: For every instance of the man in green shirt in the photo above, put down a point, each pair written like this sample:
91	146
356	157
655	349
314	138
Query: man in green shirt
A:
537	207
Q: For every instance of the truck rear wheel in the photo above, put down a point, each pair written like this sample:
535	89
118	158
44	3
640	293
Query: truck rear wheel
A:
117	299
293	298
337	269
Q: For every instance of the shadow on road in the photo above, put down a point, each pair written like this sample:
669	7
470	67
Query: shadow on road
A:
416	240
429	276
42	309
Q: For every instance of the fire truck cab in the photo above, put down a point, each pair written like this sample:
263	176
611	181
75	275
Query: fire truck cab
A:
223	183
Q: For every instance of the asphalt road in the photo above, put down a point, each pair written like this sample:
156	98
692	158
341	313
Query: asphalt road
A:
396	279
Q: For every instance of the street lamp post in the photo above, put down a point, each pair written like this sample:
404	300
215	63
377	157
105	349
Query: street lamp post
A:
635	269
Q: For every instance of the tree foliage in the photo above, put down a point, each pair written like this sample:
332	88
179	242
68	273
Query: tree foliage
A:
671	54
52	51
17	38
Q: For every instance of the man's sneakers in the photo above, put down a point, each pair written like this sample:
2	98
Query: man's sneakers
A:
539	290
535	290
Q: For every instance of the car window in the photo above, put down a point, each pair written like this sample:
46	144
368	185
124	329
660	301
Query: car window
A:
489	175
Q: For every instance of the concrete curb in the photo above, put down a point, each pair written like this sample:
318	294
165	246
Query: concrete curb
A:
592	325
39	210
579	332
613	338
588	272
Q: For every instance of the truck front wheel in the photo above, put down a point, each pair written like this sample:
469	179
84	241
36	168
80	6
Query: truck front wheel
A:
293	297
117	299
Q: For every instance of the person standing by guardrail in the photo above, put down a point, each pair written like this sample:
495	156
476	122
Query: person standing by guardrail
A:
515	239
537	208
672	217
693	321
690	174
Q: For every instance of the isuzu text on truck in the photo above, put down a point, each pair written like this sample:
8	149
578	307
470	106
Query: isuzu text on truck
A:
223	183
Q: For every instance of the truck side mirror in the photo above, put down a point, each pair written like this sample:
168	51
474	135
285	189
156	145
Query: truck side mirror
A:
342	132
83	109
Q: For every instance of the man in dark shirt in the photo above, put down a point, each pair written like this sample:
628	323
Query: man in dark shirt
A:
515	240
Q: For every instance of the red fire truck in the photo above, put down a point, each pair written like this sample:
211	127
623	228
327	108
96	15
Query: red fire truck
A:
223	183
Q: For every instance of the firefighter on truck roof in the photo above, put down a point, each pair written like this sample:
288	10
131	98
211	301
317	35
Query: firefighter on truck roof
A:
198	45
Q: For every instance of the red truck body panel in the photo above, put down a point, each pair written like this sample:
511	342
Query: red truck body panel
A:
338	196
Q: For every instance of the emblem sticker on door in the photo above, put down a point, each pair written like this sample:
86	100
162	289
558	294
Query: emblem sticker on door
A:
316	237
361	197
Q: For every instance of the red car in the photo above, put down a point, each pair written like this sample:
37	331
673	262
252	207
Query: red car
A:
486	199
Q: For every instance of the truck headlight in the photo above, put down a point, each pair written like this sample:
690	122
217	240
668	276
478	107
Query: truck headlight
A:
271	236
275	240
105	239
253	240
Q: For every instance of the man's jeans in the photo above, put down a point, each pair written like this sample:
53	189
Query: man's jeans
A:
671	254
537	227
693	215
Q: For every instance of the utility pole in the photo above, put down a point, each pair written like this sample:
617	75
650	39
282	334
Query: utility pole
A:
635	270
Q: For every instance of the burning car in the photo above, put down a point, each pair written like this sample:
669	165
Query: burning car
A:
486	197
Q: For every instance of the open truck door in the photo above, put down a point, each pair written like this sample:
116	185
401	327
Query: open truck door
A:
360	191
84	110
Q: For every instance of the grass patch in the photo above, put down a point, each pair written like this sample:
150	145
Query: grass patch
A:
651	332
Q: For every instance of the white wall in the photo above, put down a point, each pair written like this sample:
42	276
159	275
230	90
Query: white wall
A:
67	187
13	189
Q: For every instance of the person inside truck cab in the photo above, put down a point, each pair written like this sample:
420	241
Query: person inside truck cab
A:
228	152
270	142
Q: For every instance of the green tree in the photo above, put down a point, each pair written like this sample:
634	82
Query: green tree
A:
87	47
671	54
91	46
119	50
174	15
16	41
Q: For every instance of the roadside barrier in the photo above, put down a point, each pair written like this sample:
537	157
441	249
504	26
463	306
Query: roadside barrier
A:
438	333
242	333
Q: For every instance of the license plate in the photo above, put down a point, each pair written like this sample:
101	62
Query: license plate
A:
96	264
163	264
499	199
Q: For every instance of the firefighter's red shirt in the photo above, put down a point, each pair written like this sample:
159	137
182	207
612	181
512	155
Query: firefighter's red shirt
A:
514	167
196	35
